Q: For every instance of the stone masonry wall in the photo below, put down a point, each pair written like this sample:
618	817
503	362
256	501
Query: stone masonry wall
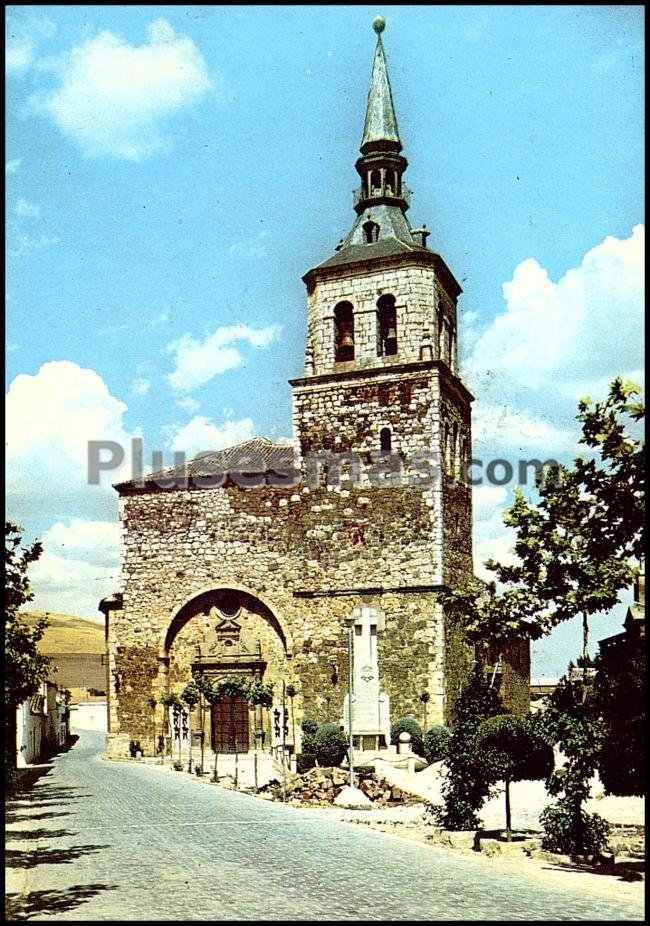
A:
283	546
420	301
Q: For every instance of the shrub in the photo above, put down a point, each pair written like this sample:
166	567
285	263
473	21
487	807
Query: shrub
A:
572	722
466	783
330	744
304	761
436	743
364	771
410	725
308	725
578	833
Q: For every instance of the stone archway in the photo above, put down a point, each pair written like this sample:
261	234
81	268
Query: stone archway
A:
222	632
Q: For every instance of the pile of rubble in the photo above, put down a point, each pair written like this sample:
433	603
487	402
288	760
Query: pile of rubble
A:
322	786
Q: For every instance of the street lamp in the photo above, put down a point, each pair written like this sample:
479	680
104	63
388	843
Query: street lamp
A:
350	625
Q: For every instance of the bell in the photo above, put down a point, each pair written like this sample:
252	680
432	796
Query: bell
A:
347	340
391	335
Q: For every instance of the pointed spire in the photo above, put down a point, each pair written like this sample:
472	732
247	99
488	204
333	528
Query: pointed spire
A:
381	122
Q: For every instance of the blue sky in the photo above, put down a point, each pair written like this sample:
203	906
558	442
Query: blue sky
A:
173	171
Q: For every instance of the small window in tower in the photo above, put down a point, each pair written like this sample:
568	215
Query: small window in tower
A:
385	440
370	232
375	183
343	332
387	326
455	463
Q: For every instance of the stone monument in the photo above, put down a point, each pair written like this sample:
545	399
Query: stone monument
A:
370	705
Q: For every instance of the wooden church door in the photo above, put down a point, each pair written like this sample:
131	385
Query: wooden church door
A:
230	726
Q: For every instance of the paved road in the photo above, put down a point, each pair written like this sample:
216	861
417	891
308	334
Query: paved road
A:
98	840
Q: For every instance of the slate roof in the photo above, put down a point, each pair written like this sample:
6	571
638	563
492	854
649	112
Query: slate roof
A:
387	247
381	122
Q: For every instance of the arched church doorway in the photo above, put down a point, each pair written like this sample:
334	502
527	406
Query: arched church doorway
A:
226	635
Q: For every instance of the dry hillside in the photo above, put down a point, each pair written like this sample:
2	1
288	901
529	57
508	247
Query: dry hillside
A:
68	634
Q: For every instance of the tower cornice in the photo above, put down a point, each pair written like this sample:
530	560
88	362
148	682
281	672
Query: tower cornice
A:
363	262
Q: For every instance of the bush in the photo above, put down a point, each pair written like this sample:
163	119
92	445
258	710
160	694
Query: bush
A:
410	725
466	783
573	723
574	834
436	743
330	744
304	761
308	726
364	771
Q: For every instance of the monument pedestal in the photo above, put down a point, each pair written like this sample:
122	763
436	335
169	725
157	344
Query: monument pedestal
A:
370	705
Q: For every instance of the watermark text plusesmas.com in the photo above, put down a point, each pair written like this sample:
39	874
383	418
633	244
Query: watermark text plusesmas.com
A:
422	468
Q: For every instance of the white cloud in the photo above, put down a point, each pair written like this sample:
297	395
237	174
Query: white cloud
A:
250	247
26	243
19	54
500	428
189	404
565	336
93	541
201	435
51	416
26	209
140	386
113	98
197	362
69	585
11	167
23	41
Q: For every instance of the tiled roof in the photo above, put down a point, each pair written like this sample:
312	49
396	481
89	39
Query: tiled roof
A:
258	455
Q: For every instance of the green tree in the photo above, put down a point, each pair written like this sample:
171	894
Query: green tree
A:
577	544
619	701
467	781
513	752
25	667
571	721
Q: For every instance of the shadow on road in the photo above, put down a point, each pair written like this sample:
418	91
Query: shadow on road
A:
12	817
25	907
41	833
29	858
624	871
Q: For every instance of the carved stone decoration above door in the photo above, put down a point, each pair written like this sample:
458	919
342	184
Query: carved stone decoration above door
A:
228	632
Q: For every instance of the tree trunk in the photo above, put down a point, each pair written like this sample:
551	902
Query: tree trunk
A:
585	639
508	812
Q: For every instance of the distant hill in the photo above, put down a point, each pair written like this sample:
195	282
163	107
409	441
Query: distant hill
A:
67	634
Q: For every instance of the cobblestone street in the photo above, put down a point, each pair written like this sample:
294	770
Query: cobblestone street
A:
98	840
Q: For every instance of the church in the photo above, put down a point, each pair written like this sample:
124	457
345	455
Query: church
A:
255	559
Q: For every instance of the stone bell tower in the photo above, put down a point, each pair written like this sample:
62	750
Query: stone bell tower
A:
381	376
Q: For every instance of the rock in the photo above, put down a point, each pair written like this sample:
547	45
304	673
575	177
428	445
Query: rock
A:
353	798
490	848
457	839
